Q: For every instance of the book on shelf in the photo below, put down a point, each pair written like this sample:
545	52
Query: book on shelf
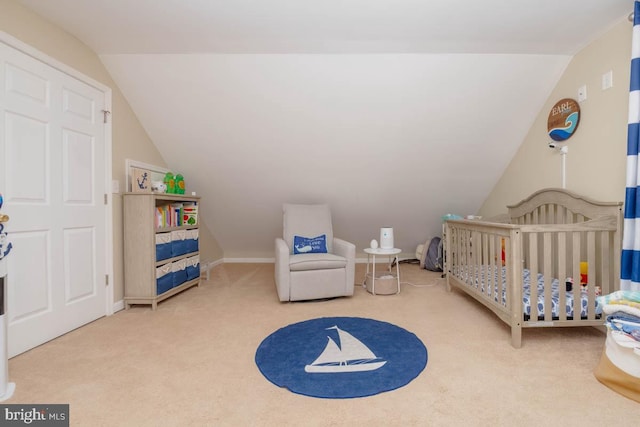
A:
176	215
190	213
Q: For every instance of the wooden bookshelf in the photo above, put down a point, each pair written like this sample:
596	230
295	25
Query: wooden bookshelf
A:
140	229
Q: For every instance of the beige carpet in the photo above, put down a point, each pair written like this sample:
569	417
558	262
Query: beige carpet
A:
191	363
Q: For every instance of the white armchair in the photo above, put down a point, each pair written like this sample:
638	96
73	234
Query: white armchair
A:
307	276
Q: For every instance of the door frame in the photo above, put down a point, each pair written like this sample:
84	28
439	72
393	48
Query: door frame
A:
28	50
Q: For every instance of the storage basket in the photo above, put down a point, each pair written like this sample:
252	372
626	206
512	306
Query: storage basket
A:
163	246
193	267
191	240
386	283
178	242
179	271
164	278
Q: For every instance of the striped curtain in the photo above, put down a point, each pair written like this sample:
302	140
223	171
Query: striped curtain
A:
630	268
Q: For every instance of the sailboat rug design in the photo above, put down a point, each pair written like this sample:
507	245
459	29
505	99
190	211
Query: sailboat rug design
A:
341	357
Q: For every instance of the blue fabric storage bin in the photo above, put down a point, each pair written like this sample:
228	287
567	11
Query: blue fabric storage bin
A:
178	242
163	246
179	272
193	267
164	278
191	240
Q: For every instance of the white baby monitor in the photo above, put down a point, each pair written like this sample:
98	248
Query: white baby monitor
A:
374	244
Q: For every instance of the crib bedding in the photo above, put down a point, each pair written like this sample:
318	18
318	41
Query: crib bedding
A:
547	232
500	288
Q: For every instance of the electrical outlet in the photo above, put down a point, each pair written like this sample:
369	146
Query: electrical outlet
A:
582	93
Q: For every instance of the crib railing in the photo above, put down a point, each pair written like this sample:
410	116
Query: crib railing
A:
479	254
560	251
477	250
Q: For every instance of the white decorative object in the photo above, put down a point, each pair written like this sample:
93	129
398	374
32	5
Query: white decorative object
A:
374	244
158	186
156	173
6	388
386	238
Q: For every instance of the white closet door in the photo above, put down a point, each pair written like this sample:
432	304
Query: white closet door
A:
52	169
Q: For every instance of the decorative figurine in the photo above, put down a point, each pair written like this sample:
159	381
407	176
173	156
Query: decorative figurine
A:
170	182
179	184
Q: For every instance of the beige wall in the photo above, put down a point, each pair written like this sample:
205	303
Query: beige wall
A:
129	138
595	163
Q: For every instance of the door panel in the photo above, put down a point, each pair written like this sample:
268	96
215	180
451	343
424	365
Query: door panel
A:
26	143
79	105
52	151
79	248
27	302
23	83
78	158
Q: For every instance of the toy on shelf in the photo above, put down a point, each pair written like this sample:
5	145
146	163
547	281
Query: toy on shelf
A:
179	180
170	182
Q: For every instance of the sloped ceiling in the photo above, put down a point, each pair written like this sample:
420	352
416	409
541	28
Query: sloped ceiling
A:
393	112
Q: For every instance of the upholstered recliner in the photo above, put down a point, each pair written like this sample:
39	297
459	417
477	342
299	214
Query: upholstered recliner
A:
307	276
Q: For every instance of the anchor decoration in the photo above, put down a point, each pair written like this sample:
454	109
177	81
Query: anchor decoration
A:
142	183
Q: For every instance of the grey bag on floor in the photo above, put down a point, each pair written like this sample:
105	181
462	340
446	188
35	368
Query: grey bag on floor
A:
432	255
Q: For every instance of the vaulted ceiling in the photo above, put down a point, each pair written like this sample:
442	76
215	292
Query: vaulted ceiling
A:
334	26
390	111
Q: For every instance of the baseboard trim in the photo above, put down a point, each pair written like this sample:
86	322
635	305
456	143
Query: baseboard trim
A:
266	261
208	266
118	305
250	260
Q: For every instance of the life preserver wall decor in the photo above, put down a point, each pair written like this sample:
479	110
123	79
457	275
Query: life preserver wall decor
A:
563	119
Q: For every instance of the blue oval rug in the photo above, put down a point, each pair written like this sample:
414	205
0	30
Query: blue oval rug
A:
341	357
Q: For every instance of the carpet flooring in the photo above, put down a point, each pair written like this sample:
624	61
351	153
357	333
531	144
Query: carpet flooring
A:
192	363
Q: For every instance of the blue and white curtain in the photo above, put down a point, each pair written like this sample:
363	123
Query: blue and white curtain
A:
630	269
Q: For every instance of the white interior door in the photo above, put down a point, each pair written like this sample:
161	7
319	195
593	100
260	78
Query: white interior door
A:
52	169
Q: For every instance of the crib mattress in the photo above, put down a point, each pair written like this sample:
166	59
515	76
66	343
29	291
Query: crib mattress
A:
482	272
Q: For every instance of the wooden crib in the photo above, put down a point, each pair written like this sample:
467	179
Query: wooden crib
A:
531	252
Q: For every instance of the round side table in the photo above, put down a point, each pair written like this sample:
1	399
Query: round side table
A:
370	278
